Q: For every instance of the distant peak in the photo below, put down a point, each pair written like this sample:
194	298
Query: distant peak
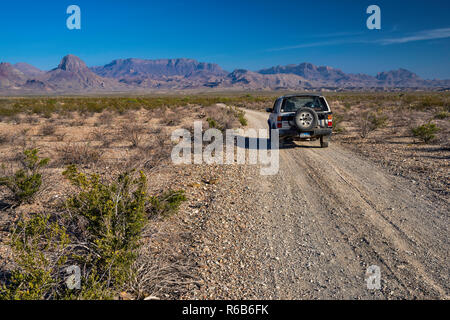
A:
400	74
72	63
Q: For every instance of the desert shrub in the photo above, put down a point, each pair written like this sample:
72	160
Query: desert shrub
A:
213	123
337	123
378	121
112	215
171	119
431	101
155	151
347	106
31	119
25	182
93	107
102	136
225	118
105	118
48	130
78	153
4	138
369	122
133	134
241	117
60	137
77	123
442	115
167	203
38	246
425	132
115	215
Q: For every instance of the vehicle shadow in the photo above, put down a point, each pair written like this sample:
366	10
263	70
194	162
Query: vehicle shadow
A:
253	143
265	144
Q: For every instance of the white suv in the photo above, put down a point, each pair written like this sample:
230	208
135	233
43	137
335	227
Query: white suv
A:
302	117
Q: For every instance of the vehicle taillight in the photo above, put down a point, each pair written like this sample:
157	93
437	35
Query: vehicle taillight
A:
330	120
279	123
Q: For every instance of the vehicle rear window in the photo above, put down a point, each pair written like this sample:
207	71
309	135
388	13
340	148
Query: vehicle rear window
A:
292	104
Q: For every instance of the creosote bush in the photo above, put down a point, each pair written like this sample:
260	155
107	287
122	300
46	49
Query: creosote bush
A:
442	115
100	231
38	245
114	215
369	122
25	182
425	132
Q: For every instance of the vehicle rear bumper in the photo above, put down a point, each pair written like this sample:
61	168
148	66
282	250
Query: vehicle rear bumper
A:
314	133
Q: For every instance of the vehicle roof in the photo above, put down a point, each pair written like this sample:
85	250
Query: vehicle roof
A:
301	95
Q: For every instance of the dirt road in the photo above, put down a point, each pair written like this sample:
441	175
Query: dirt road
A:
316	226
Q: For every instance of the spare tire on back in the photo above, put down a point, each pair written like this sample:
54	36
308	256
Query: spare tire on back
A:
305	119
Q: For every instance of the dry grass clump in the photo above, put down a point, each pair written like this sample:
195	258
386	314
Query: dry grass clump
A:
224	118
105	118
104	137
48	130
156	150
4	138
77	123
78	154
156	276
133	134
370	121
171	119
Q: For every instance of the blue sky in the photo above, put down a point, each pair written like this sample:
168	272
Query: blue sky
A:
246	34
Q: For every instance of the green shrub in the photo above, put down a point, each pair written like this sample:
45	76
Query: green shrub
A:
425	132
25	182
115	215
442	115
168	202
213	123
378	122
241	116
100	231
38	246
42	251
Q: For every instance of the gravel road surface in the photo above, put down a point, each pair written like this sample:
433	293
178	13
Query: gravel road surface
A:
312	230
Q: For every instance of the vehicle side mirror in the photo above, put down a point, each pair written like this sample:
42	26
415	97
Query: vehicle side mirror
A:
270	110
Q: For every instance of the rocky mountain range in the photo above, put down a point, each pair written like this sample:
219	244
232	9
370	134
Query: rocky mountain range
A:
28	70
139	75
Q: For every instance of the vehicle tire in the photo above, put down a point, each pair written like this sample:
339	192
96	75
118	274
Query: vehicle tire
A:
305	119
324	142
